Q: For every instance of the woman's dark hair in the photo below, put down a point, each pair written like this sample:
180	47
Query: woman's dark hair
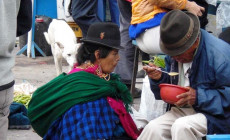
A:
86	52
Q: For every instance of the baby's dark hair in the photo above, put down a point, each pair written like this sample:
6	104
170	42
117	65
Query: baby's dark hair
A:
86	52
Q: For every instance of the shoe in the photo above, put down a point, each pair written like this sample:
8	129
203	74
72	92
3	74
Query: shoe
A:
140	74
18	117
137	93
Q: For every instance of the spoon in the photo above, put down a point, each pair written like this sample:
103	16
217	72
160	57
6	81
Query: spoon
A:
169	73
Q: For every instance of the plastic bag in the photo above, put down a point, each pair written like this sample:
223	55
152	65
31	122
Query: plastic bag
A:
150	108
222	15
24	88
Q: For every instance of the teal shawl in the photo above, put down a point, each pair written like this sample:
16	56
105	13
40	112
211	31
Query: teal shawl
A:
57	96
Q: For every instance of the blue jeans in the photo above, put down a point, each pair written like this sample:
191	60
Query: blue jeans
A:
84	13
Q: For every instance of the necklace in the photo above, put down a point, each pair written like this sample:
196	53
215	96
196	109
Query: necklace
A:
97	70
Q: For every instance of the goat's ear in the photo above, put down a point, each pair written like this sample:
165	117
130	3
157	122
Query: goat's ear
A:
60	45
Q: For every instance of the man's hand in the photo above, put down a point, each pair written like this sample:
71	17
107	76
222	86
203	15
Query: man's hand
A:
187	98
152	72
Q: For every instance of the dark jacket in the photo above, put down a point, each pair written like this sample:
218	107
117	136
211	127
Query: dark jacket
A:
209	76
24	18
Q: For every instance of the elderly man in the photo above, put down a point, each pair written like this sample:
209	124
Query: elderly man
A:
203	63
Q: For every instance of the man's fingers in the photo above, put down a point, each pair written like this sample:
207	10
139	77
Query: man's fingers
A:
145	68
182	95
181	102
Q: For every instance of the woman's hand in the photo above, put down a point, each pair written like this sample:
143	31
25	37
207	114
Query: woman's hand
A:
187	98
152	72
194	8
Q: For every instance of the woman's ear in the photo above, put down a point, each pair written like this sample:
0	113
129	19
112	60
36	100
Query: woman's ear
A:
97	55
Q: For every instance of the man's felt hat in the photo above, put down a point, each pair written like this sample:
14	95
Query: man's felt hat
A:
178	32
105	34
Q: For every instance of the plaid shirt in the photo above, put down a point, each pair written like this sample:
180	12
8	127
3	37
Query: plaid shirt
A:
88	121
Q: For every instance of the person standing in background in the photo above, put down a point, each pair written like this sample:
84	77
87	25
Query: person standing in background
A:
15	19
113	8
125	65
85	13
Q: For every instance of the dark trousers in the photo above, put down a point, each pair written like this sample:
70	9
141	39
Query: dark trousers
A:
125	66
84	13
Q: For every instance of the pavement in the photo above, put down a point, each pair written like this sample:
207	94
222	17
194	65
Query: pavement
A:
38	72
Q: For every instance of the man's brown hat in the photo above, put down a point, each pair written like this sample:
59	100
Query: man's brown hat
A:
178	32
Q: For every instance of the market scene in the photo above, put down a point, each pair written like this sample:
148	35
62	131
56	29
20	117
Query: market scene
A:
114	70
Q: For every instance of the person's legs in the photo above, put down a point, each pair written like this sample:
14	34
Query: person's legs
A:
125	66
6	98
114	11
84	13
149	41
101	9
161	127
144	57
190	127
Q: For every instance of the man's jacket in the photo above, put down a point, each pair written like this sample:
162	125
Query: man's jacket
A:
210	77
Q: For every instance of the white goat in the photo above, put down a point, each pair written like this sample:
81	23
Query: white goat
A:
63	43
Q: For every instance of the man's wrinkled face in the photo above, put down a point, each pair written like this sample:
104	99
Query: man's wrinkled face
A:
187	56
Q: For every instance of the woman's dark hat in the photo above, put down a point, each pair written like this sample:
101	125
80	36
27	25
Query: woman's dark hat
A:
105	34
178	32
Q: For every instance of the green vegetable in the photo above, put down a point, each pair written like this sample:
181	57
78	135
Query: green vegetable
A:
23	99
157	60
146	62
